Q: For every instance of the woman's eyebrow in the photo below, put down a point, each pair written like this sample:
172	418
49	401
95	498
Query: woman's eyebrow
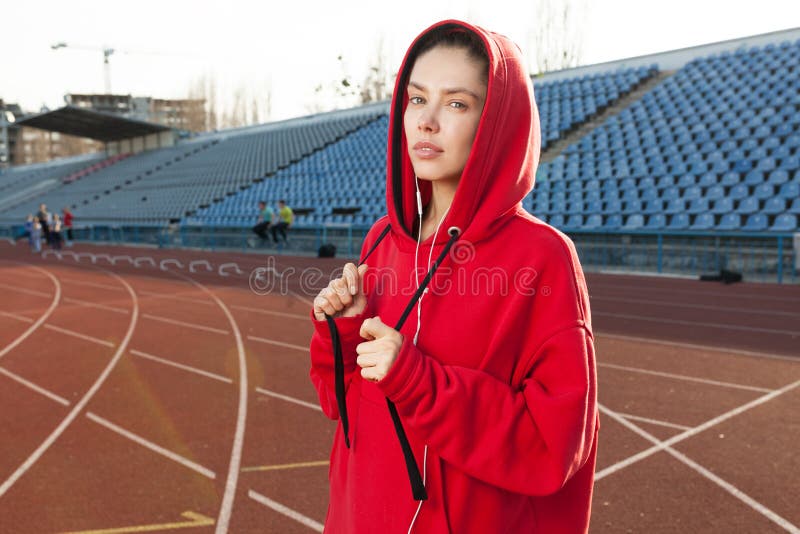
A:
447	91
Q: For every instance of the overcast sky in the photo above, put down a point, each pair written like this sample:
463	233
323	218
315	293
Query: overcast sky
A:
291	46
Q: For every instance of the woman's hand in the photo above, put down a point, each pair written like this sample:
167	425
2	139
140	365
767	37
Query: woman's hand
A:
377	355
344	297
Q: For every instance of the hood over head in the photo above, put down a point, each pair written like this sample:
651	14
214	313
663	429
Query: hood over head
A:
501	167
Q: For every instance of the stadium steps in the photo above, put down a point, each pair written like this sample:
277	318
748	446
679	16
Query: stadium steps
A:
559	146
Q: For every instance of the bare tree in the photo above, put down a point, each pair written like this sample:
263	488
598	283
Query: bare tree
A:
377	83
557	40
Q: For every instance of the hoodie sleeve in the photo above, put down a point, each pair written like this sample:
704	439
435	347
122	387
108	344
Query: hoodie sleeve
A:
529	439
322	373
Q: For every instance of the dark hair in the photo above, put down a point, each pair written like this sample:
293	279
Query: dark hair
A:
450	37
282	201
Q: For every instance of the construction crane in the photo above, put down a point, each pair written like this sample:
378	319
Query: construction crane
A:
107	53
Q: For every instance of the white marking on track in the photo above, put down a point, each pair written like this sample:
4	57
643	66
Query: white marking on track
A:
693	431
91	284
289	399
17	317
720	326
707	348
653	421
702	471
26	291
184	323
683	377
176	297
31	329
303	348
234	467
208	473
40	390
301	298
81	404
285	510
748	311
105	307
271	312
181	366
78	335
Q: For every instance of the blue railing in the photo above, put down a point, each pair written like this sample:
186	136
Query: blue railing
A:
761	257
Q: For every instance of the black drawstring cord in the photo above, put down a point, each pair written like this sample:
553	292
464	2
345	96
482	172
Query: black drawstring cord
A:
338	360
417	485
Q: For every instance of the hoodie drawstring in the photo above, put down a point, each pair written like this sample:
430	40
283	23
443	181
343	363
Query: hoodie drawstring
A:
417	485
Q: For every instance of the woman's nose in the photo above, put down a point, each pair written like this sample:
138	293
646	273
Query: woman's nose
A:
428	121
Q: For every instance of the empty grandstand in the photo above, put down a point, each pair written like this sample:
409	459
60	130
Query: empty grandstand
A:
683	162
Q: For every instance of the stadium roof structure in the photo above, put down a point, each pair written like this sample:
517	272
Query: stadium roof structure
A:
82	122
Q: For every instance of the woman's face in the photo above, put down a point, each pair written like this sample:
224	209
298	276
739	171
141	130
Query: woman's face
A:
446	93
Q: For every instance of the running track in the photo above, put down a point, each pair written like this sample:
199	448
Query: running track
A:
154	391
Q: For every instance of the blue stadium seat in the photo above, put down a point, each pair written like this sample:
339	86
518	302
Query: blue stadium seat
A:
679	221
634	222
704	221
795	207
730	221
656	221
774	206
786	222
756	222
723	205
748	205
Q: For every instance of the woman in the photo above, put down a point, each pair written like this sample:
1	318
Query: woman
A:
492	417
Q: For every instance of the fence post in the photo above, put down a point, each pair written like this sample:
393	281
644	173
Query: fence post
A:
660	252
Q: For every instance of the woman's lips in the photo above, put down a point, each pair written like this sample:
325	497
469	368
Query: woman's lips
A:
427	150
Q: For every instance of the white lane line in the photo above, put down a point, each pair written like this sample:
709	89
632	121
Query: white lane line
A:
183	323
40	390
181	366
693	431
719	326
16	316
25	290
226	508
105	307
301	298
285	510
175	297
683	377
79	335
56	298
289	399
73	301
271	312
706	348
702	471
81	404
734	293
653	421
91	284
748	311
303	348
208	473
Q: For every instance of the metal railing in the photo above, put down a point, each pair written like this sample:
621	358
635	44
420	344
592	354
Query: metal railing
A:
760	257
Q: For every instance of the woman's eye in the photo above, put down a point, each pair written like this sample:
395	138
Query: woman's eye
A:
457	105
415	100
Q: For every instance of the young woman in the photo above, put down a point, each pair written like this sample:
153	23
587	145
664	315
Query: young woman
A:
487	363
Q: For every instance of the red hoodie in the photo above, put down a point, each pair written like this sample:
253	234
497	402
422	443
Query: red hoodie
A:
501	384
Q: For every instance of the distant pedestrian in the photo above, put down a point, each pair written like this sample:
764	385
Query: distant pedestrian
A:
55	232
265	217
44	219
67	225
285	219
36	236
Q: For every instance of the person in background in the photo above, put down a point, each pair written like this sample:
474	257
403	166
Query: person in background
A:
55	232
36	235
285	219
44	219
265	217
67	224
26	229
